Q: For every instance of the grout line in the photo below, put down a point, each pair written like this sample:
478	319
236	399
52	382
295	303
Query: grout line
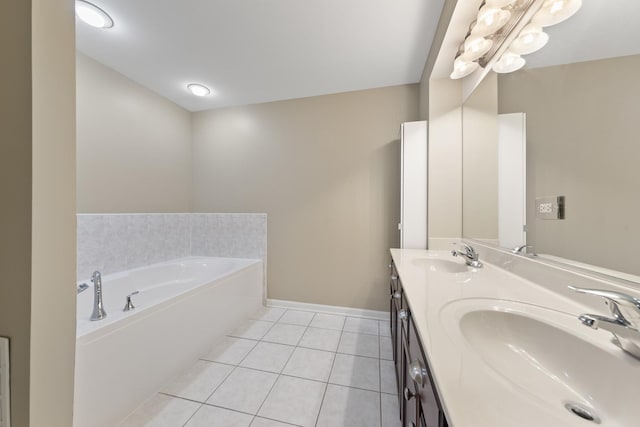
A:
280	373
324	395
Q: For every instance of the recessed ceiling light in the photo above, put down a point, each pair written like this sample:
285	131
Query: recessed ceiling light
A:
198	89
91	14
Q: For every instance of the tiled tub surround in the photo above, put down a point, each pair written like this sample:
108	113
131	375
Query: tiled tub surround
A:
467	385
112	243
285	368
183	307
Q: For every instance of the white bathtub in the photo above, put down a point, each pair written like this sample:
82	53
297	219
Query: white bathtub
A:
182	308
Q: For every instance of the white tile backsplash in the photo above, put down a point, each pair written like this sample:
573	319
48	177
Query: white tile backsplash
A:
116	242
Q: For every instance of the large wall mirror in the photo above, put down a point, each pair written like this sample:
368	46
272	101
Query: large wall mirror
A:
567	124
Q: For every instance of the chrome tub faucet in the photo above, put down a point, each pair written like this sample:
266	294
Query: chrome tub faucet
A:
98	308
624	323
469	255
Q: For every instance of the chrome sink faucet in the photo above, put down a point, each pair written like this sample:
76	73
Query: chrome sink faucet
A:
625	323
469	255
98	309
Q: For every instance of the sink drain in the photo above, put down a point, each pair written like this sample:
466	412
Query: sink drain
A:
582	412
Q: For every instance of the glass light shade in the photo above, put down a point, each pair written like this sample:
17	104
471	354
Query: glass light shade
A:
463	68
475	47
508	63
198	89
500	3
93	15
553	12
530	39
490	20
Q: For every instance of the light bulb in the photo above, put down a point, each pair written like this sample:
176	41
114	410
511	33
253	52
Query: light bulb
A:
92	15
490	20
462	68
475	47
198	89
553	12
508	63
531	39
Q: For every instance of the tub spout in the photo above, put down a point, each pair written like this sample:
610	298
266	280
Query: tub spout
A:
98	309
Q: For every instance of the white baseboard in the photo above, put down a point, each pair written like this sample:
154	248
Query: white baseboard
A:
329	309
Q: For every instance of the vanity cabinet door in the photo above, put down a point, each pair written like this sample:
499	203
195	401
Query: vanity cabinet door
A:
395	298
418	371
410	407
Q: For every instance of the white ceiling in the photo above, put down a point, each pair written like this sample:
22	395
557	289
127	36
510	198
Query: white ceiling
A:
251	51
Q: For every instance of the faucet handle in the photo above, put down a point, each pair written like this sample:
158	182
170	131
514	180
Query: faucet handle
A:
623	307
468	249
520	249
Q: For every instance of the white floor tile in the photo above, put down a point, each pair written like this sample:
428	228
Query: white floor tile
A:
294	400
349	407
199	381
386	348
230	350
385	328
244	390
211	416
356	371
283	333
252	329
162	411
388	382
390	411
263	422
295	317
359	344
328	321
270	314
361	326
321	339
268	356
311	364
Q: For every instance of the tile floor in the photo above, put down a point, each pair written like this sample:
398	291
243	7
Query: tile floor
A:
285	368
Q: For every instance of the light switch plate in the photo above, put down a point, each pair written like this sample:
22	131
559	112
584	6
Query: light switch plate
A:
5	401
550	207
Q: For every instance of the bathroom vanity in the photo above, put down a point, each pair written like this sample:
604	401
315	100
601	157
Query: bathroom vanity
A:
418	399
504	345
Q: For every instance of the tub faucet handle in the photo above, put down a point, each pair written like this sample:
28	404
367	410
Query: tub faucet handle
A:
129	305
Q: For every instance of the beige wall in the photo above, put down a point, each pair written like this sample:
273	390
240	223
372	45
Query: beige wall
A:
326	171
15	191
53	296
37	219
480	161
134	146
445	160
582	142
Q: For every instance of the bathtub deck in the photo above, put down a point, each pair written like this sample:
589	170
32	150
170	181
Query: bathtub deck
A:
284	368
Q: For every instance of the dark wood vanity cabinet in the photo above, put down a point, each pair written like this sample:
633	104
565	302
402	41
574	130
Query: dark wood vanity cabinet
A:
418	399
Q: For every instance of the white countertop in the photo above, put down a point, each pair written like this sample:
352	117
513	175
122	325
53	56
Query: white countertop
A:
472	392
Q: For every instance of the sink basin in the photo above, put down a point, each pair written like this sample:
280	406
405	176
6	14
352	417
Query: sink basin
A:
440	265
548	356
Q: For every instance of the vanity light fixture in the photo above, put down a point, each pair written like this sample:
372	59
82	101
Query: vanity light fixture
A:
92	15
531	39
554	12
462	68
508	63
490	20
198	89
497	21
